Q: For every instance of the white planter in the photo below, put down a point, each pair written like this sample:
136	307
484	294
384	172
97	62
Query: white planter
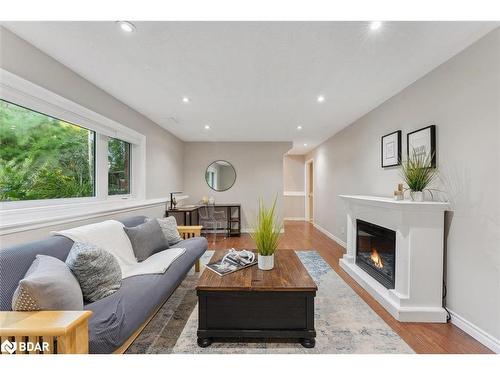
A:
266	262
417	196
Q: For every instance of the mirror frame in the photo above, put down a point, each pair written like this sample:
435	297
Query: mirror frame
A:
235	175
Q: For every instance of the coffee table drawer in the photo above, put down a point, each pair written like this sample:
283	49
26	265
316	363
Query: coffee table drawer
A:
255	310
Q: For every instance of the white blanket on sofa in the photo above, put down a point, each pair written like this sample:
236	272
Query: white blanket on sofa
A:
110	236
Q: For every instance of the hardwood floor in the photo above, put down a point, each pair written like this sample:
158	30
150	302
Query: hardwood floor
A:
428	338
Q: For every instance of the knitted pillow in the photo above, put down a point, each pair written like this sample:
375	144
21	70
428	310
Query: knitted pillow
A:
169	227
47	285
97	270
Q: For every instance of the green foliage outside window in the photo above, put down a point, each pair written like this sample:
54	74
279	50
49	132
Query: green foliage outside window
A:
119	167
42	157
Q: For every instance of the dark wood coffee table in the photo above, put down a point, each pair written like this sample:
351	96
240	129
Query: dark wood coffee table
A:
258	304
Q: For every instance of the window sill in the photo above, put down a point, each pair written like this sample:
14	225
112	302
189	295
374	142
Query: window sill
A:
23	219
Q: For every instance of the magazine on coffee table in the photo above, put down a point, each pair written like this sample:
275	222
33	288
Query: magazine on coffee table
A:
233	261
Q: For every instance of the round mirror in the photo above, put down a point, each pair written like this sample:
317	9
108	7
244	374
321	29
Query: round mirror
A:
220	175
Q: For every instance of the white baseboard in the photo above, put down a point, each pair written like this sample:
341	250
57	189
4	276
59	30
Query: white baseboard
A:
483	337
330	235
295	218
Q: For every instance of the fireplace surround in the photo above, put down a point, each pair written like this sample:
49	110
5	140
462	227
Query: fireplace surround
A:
418	228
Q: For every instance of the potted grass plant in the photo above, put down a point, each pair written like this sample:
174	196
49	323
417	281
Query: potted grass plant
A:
418	173
266	234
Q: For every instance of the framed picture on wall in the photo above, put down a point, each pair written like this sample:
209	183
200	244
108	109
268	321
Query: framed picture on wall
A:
422	142
391	149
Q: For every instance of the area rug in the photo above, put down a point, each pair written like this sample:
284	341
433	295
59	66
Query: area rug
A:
344	322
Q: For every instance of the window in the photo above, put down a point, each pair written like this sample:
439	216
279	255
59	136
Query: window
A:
118	167
55	152
42	157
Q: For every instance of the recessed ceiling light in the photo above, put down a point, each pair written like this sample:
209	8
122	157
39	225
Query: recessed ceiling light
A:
375	25
299	127
305	144
207	127
185	99
126	26
321	99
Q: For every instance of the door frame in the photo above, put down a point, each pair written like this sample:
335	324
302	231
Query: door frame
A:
309	165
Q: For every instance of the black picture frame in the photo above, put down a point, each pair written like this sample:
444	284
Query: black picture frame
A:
432	142
398	135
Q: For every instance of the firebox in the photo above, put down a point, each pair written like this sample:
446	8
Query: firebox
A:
376	252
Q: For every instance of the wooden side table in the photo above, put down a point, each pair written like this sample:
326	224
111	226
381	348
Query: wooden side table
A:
55	332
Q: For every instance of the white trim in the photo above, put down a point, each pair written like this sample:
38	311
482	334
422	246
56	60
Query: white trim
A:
477	333
15	221
330	235
306	199
23	92
27	94
295	218
294	193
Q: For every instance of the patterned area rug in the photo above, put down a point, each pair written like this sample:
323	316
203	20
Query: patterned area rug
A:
344	322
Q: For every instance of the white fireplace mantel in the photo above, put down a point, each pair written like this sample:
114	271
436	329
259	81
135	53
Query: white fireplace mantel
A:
419	227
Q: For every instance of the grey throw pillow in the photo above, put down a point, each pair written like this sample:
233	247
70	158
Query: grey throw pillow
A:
97	271
169	227
48	285
147	239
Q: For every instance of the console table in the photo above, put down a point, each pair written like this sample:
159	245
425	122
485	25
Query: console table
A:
188	215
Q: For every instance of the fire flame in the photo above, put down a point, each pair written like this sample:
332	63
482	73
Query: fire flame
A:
376	259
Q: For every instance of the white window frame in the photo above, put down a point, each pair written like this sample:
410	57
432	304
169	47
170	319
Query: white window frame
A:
27	94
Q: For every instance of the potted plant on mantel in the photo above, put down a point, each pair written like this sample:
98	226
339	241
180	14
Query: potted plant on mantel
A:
266	235
418	174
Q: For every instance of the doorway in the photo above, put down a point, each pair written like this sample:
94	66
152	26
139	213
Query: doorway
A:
309	190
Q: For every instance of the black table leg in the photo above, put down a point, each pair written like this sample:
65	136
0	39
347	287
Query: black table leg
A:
308	343
204	342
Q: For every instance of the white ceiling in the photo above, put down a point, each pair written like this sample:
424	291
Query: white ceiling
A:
252	81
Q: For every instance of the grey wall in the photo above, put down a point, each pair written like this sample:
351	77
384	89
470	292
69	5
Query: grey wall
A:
164	150
259	173
462	98
293	181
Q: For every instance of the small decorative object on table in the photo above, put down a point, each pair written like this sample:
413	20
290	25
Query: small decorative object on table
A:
399	193
173	202
418	172
266	235
233	261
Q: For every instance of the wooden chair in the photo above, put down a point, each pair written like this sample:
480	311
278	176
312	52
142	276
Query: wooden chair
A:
190	232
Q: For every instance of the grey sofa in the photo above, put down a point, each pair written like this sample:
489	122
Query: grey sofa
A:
116	317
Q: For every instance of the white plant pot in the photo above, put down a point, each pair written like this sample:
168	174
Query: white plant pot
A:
417	196
265	262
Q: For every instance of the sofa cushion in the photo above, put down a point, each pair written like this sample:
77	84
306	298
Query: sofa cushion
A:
169	228
47	285
117	317
97	271
147	239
